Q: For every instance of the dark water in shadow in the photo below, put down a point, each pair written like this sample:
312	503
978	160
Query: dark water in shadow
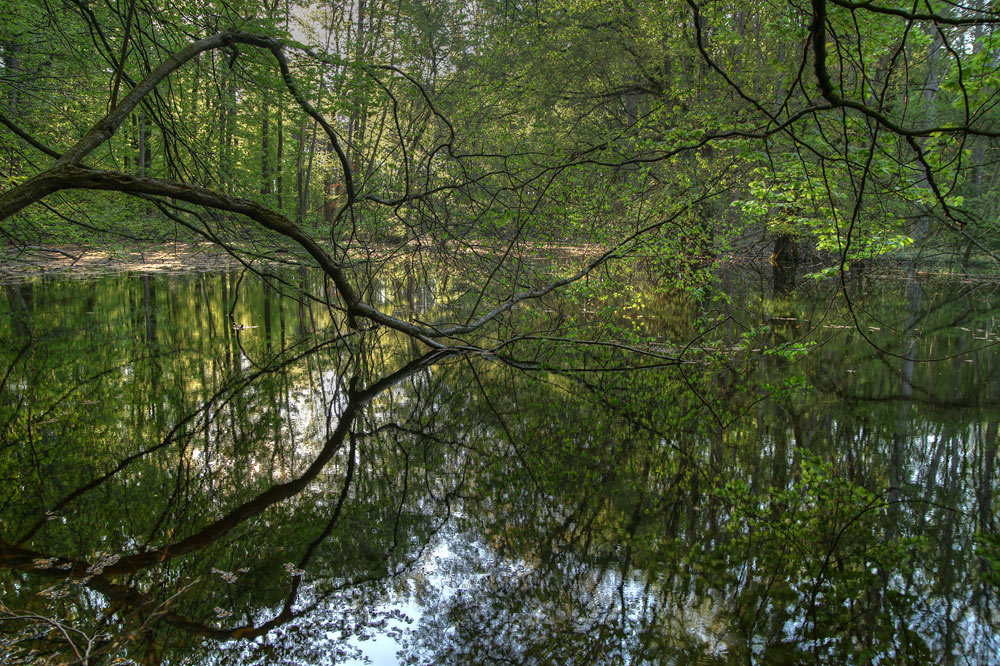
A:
201	469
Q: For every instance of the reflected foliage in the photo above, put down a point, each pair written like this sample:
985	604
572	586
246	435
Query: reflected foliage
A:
202	469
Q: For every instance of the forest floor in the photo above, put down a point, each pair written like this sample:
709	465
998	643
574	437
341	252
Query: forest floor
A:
78	261
18	264
81	261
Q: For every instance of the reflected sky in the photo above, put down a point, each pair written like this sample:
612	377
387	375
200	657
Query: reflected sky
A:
209	468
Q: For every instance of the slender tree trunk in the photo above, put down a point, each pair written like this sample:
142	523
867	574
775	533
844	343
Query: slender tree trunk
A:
228	131
304	202
265	163
143	141
300	205
279	163
357	121
221	165
12	66
330	190
978	160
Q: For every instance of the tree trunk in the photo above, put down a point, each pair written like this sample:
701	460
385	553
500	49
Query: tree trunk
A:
143	143
265	163
300	201
280	185
12	66
784	263
331	191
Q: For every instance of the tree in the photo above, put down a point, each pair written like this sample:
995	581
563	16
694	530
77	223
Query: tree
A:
842	107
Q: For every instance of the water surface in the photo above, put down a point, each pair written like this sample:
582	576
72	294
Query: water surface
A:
205	469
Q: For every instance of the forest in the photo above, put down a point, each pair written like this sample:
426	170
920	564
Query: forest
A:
493	332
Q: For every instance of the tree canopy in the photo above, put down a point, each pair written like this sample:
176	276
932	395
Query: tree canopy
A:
355	135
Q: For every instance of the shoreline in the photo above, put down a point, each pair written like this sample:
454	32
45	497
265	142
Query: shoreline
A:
19	264
80	261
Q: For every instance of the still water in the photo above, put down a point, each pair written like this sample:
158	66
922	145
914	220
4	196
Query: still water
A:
208	469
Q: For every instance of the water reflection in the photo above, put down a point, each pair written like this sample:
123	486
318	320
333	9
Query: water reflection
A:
204	468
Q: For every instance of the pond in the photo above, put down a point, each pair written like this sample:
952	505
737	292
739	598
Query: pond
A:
207	469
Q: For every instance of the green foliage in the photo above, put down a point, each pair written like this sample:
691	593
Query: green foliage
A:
807	205
817	560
